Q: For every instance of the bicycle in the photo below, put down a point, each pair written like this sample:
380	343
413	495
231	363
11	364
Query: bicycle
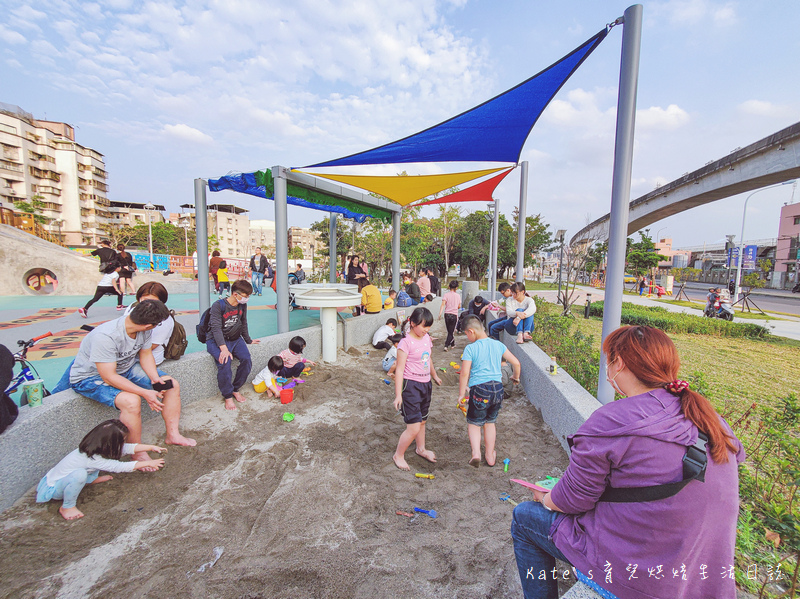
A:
28	372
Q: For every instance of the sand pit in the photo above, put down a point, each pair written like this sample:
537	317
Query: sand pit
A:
300	509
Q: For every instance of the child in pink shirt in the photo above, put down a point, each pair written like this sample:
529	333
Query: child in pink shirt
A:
450	306
413	385
293	360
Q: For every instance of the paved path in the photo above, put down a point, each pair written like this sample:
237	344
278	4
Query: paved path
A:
787	326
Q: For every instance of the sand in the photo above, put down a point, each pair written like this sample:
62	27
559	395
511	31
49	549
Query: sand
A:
298	509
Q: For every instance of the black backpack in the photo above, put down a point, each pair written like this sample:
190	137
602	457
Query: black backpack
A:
177	344
202	327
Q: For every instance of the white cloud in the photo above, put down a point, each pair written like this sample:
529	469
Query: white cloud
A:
186	133
657	118
10	36
696	12
27	13
767	109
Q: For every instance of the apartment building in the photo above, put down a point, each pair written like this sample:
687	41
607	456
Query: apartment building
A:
131	214
41	160
262	234
306	239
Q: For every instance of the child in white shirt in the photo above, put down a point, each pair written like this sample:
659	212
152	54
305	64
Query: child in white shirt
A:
266	380
379	339
390	359
99	450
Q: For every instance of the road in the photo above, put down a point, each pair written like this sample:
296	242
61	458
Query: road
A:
777	301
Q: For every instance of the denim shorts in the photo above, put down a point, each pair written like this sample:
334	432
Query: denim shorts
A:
94	387
484	403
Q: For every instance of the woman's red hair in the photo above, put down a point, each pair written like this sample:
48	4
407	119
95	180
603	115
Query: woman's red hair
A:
652	358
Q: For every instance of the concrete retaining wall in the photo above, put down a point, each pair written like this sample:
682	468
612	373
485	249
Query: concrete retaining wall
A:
21	252
41	436
564	404
359	331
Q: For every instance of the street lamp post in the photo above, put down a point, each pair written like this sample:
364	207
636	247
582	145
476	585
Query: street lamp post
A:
58	222
148	207
741	238
560	237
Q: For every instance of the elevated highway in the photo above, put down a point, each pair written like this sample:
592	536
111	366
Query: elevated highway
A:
771	160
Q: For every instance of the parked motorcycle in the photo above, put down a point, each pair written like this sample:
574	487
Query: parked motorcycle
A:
796	288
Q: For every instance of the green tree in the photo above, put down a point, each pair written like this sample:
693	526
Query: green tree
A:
537	236
34	207
642	255
471	247
296	253
682	275
342	242
167	238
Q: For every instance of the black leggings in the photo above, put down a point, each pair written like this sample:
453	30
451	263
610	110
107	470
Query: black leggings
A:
450	322
100	292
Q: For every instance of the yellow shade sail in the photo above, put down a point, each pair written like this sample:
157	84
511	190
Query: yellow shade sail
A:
407	189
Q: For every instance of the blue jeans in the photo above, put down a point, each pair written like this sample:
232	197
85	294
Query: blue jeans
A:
525	325
239	350
535	550
94	387
496	326
258	282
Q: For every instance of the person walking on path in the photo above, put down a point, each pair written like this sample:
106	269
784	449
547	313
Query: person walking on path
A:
450	306
107	285
436	285
126	272
213	268
258	269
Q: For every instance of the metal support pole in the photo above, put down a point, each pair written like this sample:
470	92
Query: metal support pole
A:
150	240
495	237
201	231
523	213
621	184
281	249
332	244
396	217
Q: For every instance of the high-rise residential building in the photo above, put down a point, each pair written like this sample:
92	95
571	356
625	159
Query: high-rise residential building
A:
42	161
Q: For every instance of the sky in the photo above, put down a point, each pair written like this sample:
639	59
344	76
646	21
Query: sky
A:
170	91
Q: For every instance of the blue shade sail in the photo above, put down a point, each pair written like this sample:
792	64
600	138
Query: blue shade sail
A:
494	131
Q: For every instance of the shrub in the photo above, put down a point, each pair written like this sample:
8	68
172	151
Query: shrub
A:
678	322
573	350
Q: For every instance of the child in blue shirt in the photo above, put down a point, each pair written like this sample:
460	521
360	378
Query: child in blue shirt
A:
481	371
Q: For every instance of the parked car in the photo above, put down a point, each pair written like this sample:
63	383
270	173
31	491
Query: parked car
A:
628	278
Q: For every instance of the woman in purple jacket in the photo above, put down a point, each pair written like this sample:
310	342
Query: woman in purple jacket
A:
678	547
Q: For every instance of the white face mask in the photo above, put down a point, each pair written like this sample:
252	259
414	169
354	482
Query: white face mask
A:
243	300
612	381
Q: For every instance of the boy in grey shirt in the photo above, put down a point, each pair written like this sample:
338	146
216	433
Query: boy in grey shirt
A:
115	366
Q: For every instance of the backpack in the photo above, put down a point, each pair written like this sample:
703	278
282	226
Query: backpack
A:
223	264
202	327
403	299
177	344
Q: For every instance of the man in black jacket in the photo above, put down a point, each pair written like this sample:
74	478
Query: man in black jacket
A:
259	266
436	286
106	254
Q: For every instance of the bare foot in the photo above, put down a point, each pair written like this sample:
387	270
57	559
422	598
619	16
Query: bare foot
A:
493	460
180	440
400	462
229	405
70	513
427	454
475	462
143	456
519	339
101	479
239	397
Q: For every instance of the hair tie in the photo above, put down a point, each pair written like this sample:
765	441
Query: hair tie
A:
677	386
